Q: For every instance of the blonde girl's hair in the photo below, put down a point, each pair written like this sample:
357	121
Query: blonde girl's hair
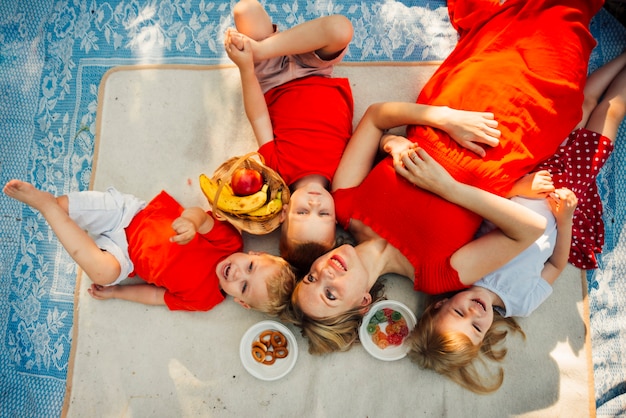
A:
453	355
279	288
337	333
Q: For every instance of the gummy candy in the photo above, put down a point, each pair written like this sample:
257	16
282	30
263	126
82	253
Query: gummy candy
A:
380	316
395	330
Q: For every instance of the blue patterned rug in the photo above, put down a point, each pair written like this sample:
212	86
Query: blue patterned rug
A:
52	57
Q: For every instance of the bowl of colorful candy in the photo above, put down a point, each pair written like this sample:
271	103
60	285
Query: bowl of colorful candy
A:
385	328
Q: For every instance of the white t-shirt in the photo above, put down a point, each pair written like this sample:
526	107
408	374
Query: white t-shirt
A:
519	283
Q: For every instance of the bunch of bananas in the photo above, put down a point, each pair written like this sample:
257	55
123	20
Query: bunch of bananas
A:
255	205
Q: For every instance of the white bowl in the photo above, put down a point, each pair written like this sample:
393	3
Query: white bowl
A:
281	366
392	352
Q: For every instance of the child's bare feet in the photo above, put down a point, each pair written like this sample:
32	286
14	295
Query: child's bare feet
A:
27	193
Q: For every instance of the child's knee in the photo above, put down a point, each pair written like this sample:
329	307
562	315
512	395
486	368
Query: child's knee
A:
341	28
252	20
617	109
245	7
106	271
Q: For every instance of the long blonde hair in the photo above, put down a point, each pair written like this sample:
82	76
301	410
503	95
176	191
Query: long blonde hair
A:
336	333
452	353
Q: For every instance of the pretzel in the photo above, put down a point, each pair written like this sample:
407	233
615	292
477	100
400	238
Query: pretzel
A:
258	354
281	352
278	339
269	358
266	337
260	345
269	346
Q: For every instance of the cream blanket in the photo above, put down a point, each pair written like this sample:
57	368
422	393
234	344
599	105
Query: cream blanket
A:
159	128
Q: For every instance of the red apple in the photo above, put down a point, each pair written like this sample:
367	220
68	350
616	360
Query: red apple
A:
246	181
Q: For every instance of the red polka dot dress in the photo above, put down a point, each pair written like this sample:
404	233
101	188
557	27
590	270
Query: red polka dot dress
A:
576	165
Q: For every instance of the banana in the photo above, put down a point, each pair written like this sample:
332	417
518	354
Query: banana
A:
230	203
270	208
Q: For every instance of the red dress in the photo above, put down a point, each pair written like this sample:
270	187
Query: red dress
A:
576	165
524	60
312	122
424	227
187	272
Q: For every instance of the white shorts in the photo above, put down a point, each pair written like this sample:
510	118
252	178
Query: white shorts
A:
105	215
280	70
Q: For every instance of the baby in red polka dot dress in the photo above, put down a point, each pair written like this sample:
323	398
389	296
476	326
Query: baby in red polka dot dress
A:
578	161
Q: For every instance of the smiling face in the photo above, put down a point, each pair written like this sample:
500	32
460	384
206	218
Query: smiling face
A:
310	215
469	312
336	283
244	276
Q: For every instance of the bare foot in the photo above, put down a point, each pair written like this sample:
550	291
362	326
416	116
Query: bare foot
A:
27	193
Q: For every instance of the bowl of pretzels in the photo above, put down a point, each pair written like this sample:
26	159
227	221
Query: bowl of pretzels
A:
268	350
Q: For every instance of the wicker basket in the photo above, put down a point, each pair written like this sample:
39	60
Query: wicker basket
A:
258	225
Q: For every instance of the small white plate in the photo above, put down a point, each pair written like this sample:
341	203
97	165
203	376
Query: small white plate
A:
392	352
281	366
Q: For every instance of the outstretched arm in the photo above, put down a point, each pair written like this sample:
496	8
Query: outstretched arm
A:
141	293
563	206
467	128
517	226
463	126
240	52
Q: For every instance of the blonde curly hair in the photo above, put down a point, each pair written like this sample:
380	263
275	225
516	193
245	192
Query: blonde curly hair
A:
279	288
453	355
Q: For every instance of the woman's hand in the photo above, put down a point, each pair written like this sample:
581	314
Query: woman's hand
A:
423	171
469	129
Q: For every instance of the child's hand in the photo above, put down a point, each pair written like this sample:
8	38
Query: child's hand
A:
469	129
101	292
397	146
563	203
534	185
185	230
239	48
233	38
423	171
